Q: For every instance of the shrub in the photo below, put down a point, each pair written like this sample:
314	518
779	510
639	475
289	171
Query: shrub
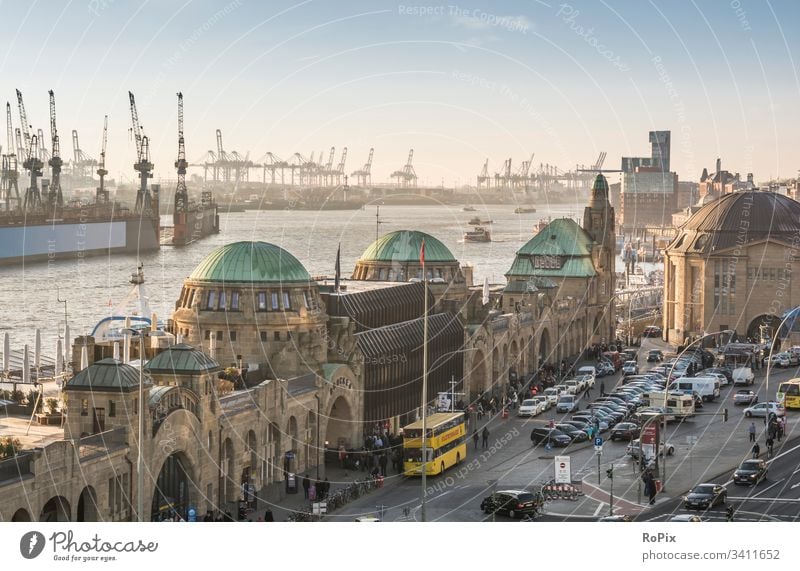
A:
9	446
52	405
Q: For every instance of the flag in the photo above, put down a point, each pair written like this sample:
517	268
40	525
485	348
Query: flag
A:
422	253
338	268
485	298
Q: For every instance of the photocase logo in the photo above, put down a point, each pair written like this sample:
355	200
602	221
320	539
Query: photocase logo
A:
31	544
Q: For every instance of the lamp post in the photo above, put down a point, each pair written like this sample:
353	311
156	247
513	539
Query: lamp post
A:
141	334
317	440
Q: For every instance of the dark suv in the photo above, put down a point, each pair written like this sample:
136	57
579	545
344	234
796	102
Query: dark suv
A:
550	435
512	503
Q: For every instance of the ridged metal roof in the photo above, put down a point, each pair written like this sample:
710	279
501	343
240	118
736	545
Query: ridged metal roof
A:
564	238
182	359
737	219
105	375
250	262
407	336
404	246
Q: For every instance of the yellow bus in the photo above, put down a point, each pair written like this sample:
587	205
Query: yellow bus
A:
446	443
789	393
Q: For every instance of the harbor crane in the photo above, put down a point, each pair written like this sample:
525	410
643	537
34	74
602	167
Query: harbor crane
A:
364	176
142	165
407	177
339	172
33	199
484	180
82	163
9	190
181	194
102	193
54	197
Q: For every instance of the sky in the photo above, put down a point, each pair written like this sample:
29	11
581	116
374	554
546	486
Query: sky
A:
458	83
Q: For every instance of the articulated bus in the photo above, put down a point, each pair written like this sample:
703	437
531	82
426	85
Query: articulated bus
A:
789	393
446	443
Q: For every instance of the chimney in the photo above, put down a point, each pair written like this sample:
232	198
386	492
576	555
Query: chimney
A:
719	166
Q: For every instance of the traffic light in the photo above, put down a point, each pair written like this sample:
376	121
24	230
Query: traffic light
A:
725	415
610	473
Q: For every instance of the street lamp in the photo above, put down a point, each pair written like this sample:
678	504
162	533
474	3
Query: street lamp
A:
141	334
316	396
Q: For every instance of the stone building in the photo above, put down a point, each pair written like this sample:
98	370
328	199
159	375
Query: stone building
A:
731	267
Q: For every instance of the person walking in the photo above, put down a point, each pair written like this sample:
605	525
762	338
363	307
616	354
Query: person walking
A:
752	431
306	485
770	444
602	389
756	450
485	435
475	438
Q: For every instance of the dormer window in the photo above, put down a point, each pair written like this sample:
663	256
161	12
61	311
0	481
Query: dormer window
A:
547	262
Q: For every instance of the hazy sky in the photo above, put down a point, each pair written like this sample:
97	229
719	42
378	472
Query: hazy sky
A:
459	83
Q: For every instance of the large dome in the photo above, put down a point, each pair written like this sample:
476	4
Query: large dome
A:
250	262
737	219
404	245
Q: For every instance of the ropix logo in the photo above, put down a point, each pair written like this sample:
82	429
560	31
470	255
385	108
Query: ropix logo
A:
31	545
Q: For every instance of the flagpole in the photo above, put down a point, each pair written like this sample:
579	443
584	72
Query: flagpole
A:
424	382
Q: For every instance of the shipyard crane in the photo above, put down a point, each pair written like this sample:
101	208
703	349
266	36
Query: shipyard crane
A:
102	194
339	172
21	152
181	194
327	169
9	190
484	180
223	162
33	199
142	165
364	176
406	177
55	197
82	163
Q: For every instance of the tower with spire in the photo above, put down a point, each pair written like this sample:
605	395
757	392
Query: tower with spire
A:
598	221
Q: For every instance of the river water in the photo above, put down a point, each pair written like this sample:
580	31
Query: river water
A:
93	286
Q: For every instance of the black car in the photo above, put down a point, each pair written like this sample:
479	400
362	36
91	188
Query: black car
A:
652	331
655	356
553	436
575	434
625	431
705	496
751	472
513	503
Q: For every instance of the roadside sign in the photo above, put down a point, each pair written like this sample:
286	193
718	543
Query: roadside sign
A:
598	441
562	468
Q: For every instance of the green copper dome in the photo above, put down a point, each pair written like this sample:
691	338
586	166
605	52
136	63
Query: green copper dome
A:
250	262
404	246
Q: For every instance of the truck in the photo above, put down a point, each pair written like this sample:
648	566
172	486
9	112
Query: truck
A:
706	387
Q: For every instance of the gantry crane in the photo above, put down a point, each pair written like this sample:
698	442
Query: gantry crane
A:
222	162
408	176
484	180
55	197
339	172
9	190
33	199
102	194
142	165
82	163
181	194
364	176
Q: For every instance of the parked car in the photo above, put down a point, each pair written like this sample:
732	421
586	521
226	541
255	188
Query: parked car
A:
625	431
780	360
572	386
530	407
751	472
685	517
551	436
587	370
551	394
705	496
567	403
513	503
588	380
652	331
623	517
545	402
745	397
655	356
722	370
630	368
605	369
761	408
576	434
632	449
742	376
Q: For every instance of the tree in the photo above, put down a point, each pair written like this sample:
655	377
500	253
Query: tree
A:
9	447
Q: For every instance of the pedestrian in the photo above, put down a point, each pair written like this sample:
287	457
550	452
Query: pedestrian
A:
752	431
306	484
382	461
602	389
485	435
475	438
268	515
770	444
756	450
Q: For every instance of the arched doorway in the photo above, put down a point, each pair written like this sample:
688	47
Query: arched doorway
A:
87	505
763	328
171	494
340	418
56	509
544	347
21	515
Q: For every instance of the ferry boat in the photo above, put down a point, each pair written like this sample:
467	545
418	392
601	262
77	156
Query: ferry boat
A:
524	210
476	221
468	209
477	234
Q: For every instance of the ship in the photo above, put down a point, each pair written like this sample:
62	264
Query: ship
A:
477	234
468	209
524	210
476	221
195	221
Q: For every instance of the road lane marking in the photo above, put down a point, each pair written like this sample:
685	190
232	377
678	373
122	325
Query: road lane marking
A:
767	488
770	500
600	507
794	486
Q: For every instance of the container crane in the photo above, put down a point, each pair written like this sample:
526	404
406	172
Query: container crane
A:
406	177
339	172
102	194
364	176
484	180
55	197
142	165
33	199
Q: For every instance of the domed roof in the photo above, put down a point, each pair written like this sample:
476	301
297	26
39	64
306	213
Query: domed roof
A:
404	246
250	262
737	219
106	375
599	192
181	358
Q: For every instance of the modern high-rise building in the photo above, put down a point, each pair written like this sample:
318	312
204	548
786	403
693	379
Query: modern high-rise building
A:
649	191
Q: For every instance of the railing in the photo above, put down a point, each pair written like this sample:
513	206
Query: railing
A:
339	498
17	467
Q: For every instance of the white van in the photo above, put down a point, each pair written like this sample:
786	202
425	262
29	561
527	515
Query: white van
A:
706	387
743	376
678	403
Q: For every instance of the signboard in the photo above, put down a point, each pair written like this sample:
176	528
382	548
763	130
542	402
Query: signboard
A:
598	441
443	402
649	441
563	473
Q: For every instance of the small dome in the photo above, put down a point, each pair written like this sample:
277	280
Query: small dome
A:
181	358
404	245
599	192
250	262
106	375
